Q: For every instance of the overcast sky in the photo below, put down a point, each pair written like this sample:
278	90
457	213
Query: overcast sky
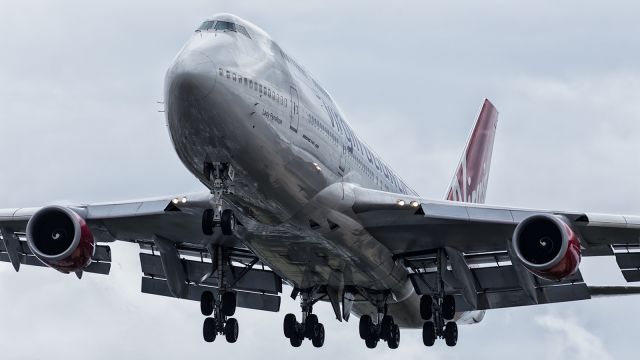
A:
79	120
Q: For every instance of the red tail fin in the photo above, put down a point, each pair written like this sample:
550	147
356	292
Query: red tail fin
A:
470	180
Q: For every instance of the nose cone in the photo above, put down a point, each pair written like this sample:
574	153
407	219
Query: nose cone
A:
192	76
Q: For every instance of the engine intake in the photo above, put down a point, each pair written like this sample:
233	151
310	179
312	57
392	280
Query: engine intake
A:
547	246
60	238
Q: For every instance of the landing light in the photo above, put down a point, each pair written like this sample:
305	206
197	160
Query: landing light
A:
184	200
414	203
316	166
401	202
175	201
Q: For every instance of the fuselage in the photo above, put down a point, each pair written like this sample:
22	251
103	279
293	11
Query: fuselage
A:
233	95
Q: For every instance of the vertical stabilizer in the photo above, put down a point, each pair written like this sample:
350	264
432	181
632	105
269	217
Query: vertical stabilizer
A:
470	180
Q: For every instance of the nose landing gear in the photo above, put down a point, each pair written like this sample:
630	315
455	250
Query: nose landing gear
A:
221	175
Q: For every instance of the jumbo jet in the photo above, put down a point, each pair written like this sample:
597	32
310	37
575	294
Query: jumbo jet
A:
295	197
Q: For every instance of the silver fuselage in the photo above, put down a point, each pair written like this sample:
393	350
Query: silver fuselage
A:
242	100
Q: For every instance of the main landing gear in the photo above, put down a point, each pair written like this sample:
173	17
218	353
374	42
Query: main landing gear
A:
383	328
221	175
221	304
221	323
438	312
310	328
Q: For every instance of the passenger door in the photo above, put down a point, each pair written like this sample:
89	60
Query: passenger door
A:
295	109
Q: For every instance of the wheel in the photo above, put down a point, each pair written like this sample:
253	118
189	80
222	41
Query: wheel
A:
371	343
209	331
387	325
206	303
426	307
365	326
310	324
231	330
227	222
318	336
228	306
289	325
451	333
207	222
394	338
448	307
428	333
295	340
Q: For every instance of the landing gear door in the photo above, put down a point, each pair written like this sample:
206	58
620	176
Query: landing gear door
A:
295	110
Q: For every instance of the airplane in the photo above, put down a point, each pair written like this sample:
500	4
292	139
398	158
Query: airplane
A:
295	197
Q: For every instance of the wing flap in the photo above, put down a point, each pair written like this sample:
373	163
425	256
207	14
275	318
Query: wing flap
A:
497	284
246	300
254	280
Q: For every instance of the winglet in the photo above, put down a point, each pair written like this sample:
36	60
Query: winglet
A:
470	180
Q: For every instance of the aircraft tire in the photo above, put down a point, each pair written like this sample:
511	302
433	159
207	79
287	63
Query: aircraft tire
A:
428	333
206	303
426	307
451	333
365	327
207	222
448	307
318	336
227	222
231	330
289	325
209	332
228	306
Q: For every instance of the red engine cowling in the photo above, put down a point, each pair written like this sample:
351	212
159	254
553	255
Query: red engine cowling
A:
60	238
547	246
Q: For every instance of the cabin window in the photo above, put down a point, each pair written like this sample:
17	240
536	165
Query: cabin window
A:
240	79
220	72
234	77
228	74
250	84
245	82
260	88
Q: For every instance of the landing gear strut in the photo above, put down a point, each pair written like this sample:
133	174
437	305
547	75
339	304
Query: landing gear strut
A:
310	328
222	305
221	175
438	311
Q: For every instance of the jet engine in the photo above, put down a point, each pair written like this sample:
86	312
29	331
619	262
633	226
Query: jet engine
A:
547	246
60	238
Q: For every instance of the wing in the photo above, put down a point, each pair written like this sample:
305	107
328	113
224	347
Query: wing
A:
175	255
475	243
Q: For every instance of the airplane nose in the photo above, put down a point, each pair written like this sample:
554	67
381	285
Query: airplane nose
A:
192	77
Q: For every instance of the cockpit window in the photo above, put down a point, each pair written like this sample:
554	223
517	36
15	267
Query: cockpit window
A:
206	25
225	25
243	31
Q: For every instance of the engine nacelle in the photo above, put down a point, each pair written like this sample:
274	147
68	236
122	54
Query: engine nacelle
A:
547	246
60	238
